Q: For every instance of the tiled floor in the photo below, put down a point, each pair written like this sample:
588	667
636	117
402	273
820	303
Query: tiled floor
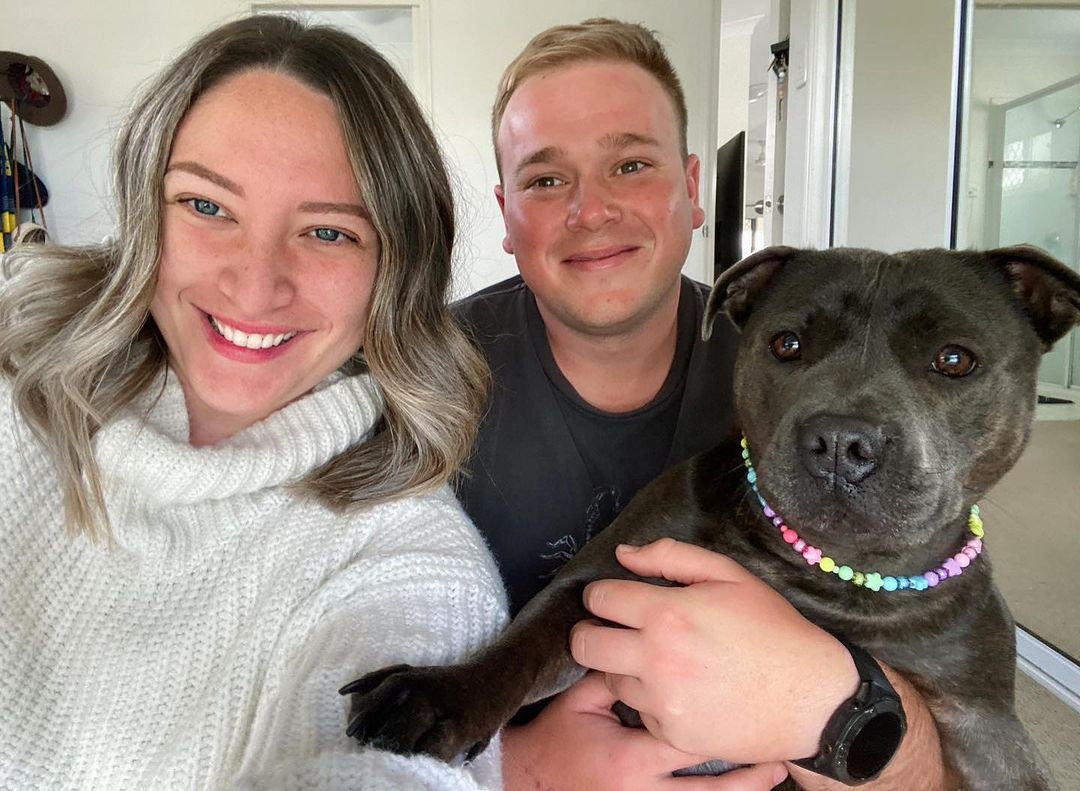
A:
1054	727
1033	535
1033	529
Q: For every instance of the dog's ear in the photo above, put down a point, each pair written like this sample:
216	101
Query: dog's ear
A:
1049	290
738	288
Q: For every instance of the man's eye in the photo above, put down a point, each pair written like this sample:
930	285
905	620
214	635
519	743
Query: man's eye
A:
331	235
545	182
205	207
634	166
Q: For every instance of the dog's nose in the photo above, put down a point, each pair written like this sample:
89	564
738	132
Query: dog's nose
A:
838	447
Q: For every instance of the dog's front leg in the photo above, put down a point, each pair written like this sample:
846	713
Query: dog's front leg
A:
453	711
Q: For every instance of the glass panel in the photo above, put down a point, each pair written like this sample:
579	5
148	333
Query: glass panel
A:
1020	184
1039	189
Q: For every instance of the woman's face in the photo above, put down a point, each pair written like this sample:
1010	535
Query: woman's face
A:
268	256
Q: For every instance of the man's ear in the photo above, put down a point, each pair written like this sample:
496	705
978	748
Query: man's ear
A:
738	288
500	198
1048	290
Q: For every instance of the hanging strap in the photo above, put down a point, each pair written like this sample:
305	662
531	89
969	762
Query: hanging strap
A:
29	160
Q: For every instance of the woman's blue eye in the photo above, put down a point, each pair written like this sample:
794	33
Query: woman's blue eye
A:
328	234
203	206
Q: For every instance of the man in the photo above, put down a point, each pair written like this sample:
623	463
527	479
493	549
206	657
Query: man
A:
600	382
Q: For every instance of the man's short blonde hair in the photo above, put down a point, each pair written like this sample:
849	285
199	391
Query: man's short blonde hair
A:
604	40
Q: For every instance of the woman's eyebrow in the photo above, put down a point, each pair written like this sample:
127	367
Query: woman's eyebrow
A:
317	207
204	172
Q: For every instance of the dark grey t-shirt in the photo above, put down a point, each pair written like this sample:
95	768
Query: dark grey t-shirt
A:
548	470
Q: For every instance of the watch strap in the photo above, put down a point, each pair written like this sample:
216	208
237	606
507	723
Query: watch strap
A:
864	733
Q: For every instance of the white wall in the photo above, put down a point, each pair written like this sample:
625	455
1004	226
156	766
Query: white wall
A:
898	134
101	50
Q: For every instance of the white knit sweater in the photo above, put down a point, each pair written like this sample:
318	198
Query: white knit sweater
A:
204	647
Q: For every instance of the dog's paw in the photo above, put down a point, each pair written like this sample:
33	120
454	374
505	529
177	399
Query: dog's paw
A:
431	710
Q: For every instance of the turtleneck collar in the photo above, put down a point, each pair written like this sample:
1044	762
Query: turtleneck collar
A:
146	461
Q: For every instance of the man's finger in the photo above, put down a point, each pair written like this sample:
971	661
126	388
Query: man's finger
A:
761	777
625	602
680	562
608	649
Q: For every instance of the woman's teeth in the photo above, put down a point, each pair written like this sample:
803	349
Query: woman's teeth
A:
247	340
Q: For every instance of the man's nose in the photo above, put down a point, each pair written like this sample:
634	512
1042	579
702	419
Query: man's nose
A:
593	206
258	278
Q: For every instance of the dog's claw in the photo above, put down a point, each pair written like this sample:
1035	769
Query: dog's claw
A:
476	749
369	681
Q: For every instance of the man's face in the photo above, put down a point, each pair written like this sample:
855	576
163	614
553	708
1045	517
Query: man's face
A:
598	202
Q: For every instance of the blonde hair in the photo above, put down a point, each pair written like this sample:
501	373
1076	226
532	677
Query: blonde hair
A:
76	337
592	40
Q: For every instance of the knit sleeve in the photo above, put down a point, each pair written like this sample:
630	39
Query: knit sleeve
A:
422	590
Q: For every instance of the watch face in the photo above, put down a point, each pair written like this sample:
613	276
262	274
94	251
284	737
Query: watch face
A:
875	740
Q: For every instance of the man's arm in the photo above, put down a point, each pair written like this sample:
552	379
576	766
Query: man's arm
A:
919	757
726	667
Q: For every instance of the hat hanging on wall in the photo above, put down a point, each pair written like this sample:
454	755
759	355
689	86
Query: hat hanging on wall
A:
38	94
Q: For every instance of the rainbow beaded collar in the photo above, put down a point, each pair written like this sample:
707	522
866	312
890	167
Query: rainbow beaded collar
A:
951	567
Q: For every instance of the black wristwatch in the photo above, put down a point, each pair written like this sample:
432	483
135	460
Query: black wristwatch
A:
863	735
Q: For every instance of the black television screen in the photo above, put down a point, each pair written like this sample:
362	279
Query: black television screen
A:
728	223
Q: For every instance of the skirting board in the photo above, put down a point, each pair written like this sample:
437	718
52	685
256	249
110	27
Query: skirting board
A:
1053	670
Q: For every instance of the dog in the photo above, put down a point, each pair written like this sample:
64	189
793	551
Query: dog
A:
880	396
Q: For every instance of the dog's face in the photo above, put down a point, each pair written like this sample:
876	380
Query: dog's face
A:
881	394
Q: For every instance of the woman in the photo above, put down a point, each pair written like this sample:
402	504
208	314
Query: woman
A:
244	411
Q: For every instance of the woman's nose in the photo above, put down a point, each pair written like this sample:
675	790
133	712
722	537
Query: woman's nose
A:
258	277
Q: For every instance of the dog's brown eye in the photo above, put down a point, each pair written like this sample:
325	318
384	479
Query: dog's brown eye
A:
954	361
786	347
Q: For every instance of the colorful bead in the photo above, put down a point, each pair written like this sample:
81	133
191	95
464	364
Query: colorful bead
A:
951	567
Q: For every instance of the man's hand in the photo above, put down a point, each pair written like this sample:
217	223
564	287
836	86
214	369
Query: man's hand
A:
724	667
577	743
